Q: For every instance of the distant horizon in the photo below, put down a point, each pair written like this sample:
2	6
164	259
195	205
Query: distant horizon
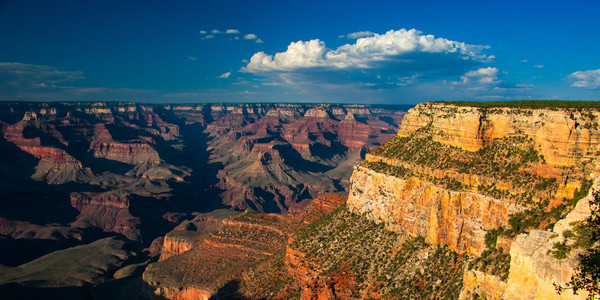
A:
301	103
389	52
215	103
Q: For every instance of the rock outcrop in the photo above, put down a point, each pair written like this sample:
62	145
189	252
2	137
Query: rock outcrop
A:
464	202
473	178
534	271
198	265
565	137
419	208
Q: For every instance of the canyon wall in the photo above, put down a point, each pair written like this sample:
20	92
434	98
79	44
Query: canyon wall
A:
455	174
445	199
534	271
419	208
121	166
565	137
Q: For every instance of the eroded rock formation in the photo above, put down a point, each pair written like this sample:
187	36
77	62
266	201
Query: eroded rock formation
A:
420	208
472	178
200	264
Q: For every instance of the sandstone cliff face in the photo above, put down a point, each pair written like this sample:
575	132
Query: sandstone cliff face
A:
55	165
480	283
454	173
419	208
565	137
534	271
175	243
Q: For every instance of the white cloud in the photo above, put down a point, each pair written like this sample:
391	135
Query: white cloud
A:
210	36
192	58
216	31
203	32
487	75
250	36
359	34
232	31
538	66
363	54
225	75
524	61
586	79
259	41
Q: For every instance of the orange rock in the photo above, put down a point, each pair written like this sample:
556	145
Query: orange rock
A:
564	137
419	208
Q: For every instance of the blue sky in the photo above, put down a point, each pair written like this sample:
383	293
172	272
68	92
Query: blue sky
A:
391	52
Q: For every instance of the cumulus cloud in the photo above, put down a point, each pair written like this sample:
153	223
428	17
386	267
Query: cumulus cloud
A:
408	46
487	75
232	31
192	58
250	36
225	75
216	31
259	41
538	66
209	36
359	34
586	79
203	32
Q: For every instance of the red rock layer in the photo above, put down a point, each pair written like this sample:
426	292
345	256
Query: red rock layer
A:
221	257
108	212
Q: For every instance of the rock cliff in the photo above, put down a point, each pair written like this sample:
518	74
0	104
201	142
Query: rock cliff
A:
420	208
491	182
467	201
533	272
565	137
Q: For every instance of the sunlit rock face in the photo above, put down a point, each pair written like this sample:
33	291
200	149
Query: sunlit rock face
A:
534	271
209	261
565	137
456	219
433	181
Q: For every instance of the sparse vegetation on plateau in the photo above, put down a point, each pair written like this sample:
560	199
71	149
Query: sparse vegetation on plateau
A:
388	264
503	164
532	104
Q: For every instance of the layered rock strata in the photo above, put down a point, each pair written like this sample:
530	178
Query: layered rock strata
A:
565	137
198	265
121	166
512	159
420	208
534	271
456	174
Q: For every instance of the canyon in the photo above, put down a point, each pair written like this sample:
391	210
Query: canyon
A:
464	203
290	201
74	173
